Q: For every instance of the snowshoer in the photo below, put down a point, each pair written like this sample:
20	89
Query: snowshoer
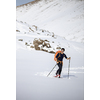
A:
59	59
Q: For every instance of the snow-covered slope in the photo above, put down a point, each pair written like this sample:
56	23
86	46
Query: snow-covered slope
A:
32	81
42	28
27	34
62	17
32	67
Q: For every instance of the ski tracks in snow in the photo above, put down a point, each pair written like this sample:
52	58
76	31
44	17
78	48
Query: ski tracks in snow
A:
73	71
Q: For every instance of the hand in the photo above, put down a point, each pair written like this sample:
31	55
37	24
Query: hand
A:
69	57
57	62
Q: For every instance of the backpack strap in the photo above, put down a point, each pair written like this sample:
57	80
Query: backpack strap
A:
59	55
59	60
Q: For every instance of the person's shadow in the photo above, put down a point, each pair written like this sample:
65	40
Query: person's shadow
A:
67	76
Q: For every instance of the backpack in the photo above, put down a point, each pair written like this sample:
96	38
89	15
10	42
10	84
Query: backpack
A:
56	55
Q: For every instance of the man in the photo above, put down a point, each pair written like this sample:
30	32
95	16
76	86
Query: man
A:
59	60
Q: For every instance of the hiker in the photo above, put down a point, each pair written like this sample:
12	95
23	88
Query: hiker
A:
59	59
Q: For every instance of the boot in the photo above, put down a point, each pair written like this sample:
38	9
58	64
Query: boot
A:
56	76
59	76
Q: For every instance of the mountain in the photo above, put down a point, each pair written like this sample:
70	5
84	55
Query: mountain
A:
62	17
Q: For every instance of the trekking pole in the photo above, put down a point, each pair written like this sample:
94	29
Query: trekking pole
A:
51	70
68	68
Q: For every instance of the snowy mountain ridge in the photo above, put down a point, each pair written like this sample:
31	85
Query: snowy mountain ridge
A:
62	17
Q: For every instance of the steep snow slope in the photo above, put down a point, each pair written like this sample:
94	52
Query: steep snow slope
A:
27	34
63	17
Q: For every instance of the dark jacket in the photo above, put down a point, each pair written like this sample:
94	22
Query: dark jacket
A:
61	56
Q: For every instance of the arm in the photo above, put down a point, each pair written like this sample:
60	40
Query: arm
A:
67	57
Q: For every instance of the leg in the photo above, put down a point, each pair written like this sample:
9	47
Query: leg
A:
57	70
60	68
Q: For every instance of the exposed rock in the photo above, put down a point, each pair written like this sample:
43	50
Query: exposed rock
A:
36	46
40	44
31	46
38	33
17	31
58	48
44	50
46	40
46	45
53	35
31	29
26	43
42	30
52	52
35	27
21	21
20	40
38	41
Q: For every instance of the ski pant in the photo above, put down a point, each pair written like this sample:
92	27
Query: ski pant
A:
60	68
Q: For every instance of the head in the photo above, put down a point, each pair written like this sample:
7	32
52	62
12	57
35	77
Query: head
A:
62	50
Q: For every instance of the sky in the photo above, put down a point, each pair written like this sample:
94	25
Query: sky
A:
20	2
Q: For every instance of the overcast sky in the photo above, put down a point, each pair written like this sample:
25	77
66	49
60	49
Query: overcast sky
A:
20	2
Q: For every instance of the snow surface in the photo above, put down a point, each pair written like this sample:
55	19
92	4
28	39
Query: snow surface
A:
63	17
32	67
33	83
